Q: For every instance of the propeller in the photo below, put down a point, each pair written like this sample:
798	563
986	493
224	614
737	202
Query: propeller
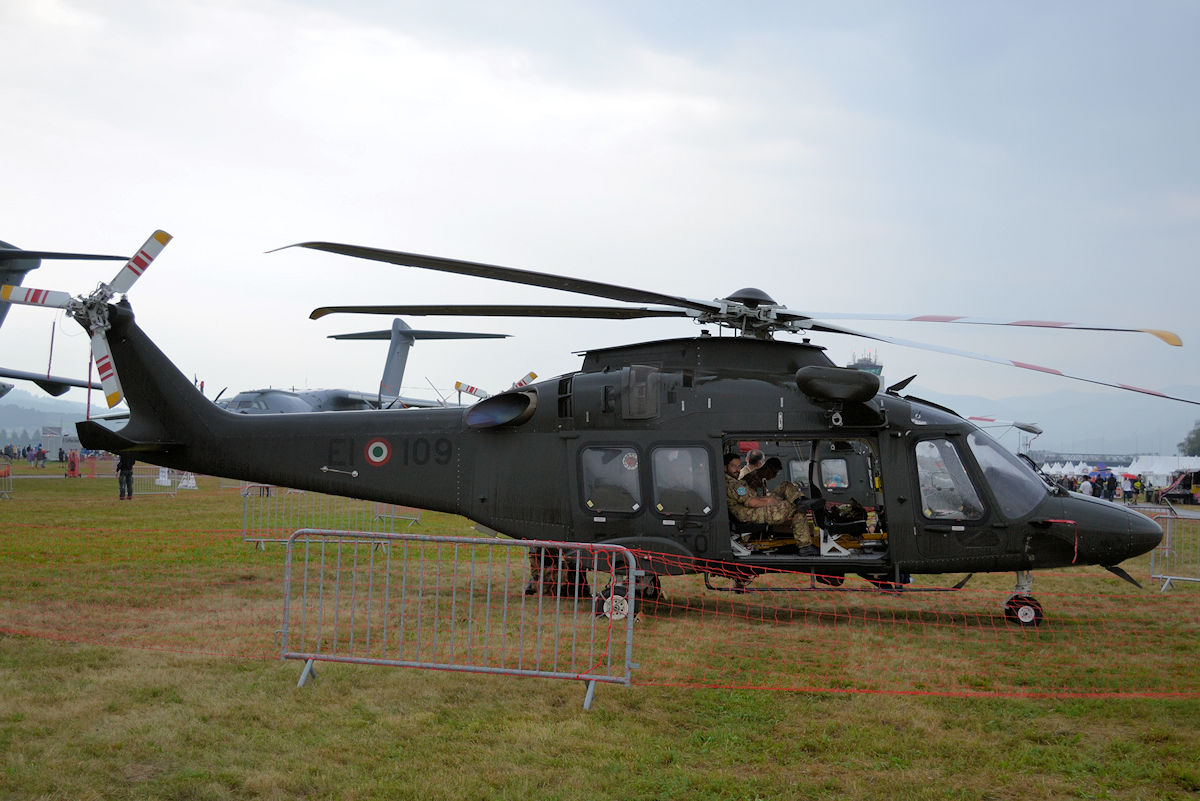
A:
92	310
749	311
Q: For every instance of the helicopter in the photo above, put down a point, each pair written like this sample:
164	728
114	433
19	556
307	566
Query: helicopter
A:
629	449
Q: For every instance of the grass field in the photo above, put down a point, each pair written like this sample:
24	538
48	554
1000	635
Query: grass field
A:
122	695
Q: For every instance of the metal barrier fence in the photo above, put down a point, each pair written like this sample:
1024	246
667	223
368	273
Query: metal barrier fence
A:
461	604
149	479
6	485
271	513
1177	557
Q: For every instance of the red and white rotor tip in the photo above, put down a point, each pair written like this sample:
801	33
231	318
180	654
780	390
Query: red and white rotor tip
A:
140	262
470	390
29	296
105	369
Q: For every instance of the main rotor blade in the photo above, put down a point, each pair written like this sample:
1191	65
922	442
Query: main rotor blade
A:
461	310
419	334
511	274
12	254
1169	337
908	343
29	296
140	262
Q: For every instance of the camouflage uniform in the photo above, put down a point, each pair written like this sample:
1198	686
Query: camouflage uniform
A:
738	491
786	489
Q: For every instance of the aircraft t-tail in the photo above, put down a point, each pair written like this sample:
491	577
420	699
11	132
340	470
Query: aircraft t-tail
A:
401	338
631	449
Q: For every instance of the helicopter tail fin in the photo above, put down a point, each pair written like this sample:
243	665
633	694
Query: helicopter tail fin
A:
166	410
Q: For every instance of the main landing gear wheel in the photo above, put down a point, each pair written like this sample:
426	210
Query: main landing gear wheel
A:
650	589
1023	610
613	604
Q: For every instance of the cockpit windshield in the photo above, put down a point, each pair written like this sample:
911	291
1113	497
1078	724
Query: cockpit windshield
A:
1015	486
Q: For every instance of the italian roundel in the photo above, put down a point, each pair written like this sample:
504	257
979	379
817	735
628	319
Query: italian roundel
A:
378	452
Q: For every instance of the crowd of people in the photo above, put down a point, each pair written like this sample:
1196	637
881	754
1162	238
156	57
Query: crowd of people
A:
35	454
1127	488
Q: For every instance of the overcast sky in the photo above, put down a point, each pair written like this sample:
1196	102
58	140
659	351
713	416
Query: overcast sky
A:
1024	160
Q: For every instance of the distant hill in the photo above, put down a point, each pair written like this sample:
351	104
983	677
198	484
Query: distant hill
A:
27	412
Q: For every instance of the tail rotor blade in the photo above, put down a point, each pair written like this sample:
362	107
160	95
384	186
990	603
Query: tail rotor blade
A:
462	386
28	296
140	262
104	367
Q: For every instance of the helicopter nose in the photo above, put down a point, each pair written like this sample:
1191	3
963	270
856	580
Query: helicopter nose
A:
1107	533
1144	535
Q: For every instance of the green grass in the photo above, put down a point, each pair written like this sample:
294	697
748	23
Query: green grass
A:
187	711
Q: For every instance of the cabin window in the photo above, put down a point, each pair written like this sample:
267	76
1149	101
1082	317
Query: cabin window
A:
798	473
1016	488
835	474
611	479
947	492
682	481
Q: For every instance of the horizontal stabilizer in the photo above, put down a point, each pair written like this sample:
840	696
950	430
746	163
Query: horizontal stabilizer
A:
94	436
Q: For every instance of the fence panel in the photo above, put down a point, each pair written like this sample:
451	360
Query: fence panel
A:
150	479
6	479
1177	557
272	514
460	603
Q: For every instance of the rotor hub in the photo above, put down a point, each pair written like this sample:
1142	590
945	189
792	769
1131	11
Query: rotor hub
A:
752	298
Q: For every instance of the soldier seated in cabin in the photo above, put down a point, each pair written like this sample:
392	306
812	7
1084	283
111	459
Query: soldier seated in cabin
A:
747	506
767	471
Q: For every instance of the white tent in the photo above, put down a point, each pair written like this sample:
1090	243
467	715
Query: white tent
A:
1158	469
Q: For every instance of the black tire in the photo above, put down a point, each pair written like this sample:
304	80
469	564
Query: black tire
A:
1024	611
613	603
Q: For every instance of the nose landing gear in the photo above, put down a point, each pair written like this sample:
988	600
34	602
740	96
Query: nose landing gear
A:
1022	608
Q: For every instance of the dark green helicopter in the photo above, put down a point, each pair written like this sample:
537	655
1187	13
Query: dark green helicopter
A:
630	449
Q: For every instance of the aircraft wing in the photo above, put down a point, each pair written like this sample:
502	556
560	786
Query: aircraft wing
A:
53	384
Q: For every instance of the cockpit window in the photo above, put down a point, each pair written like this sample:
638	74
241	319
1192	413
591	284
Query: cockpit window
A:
947	492
610	479
1017	489
682	481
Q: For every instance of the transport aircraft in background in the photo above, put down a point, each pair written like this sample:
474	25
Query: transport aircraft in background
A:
401	338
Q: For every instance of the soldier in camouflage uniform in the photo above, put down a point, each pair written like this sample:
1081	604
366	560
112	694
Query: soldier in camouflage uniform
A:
748	506
758	479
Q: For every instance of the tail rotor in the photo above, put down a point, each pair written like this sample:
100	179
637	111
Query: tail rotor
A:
91	311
